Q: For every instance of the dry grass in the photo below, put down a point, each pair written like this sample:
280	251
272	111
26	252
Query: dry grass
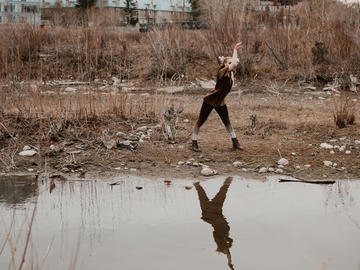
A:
344	110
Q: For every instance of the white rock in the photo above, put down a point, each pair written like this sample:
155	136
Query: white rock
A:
70	89
118	168
326	146
283	161
195	164
186	120
121	134
141	140
293	154
297	167
237	164
208	172
342	148
30	170
28	153
26	148
207	84
347	152
279	171
188	163
332	152
357	141
133	170
342	139
307	165
271	169
336	147
263	170
328	163
181	163
115	80
280	166
333	140
191	159
244	169
334	164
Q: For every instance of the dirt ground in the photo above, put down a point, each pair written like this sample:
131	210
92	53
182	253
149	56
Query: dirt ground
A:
290	123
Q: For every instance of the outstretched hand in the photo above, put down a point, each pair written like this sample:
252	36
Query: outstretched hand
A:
238	46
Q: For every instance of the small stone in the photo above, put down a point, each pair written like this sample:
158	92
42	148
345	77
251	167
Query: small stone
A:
342	168
118	168
195	164
279	171
332	152
121	134
188	187
143	128
357	141
188	163
28	153
237	164
328	163
293	154
30	170
342	148
297	167
271	169
139	188
26	148
325	176
208	172
263	170
244	169
281	166
283	162
186	120
141	140
133	170
334	165
181	163
333	140
191	159
342	139
326	146
347	152
307	165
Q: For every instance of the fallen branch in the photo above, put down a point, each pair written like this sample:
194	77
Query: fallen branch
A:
323	182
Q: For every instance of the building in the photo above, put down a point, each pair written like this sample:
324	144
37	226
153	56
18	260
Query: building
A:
148	11
13	11
274	5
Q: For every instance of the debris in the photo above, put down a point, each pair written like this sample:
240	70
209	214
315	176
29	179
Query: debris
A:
326	146
206	171
237	164
115	183
328	163
325	182
28	153
74	152
283	162
263	170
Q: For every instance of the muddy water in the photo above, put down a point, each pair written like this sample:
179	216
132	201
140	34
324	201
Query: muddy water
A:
221	223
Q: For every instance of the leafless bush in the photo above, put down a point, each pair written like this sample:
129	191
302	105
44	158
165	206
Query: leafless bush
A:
344	107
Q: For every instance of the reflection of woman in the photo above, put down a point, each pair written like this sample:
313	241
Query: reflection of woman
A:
215	99
212	214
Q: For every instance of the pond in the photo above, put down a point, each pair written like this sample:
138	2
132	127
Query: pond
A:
135	223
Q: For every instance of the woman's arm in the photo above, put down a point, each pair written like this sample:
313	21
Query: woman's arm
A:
235	59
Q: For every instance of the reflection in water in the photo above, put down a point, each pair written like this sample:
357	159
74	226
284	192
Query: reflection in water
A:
212	214
17	189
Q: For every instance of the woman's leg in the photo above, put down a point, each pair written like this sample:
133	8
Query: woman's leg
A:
224	115
204	114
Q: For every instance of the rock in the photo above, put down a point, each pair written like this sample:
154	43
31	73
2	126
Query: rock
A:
133	170
283	161
325	176
121	134
191	159
109	144
139	188
188	163
326	146
307	165
127	144
333	140
281	166
30	170
186	121
293	154
334	165
115	80
328	163
271	169
188	187
347	152
263	170
244	169
206	171
181	163
342	148
237	164
297	167
195	164
332	152
357	141
342	139
28	153
26	148
70	89
279	170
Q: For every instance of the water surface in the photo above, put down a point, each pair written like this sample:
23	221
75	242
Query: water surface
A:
222	223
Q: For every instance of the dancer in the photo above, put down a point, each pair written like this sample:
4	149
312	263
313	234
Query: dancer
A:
215	99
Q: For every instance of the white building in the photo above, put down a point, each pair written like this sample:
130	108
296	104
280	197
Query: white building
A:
12	11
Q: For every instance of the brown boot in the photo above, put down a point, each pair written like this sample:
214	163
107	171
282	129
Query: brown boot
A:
195	147
236	144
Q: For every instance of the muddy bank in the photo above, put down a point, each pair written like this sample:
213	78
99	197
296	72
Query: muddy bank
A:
295	124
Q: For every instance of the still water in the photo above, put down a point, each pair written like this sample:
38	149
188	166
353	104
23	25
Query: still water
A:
222	223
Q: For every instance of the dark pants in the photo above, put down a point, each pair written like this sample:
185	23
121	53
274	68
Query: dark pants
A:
206	110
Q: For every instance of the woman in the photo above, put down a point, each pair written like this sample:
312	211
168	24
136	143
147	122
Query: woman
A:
215	99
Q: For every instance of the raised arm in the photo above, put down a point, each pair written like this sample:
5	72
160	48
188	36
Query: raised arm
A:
235	59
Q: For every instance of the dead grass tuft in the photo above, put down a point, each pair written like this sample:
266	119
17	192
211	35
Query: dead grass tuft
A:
344	110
